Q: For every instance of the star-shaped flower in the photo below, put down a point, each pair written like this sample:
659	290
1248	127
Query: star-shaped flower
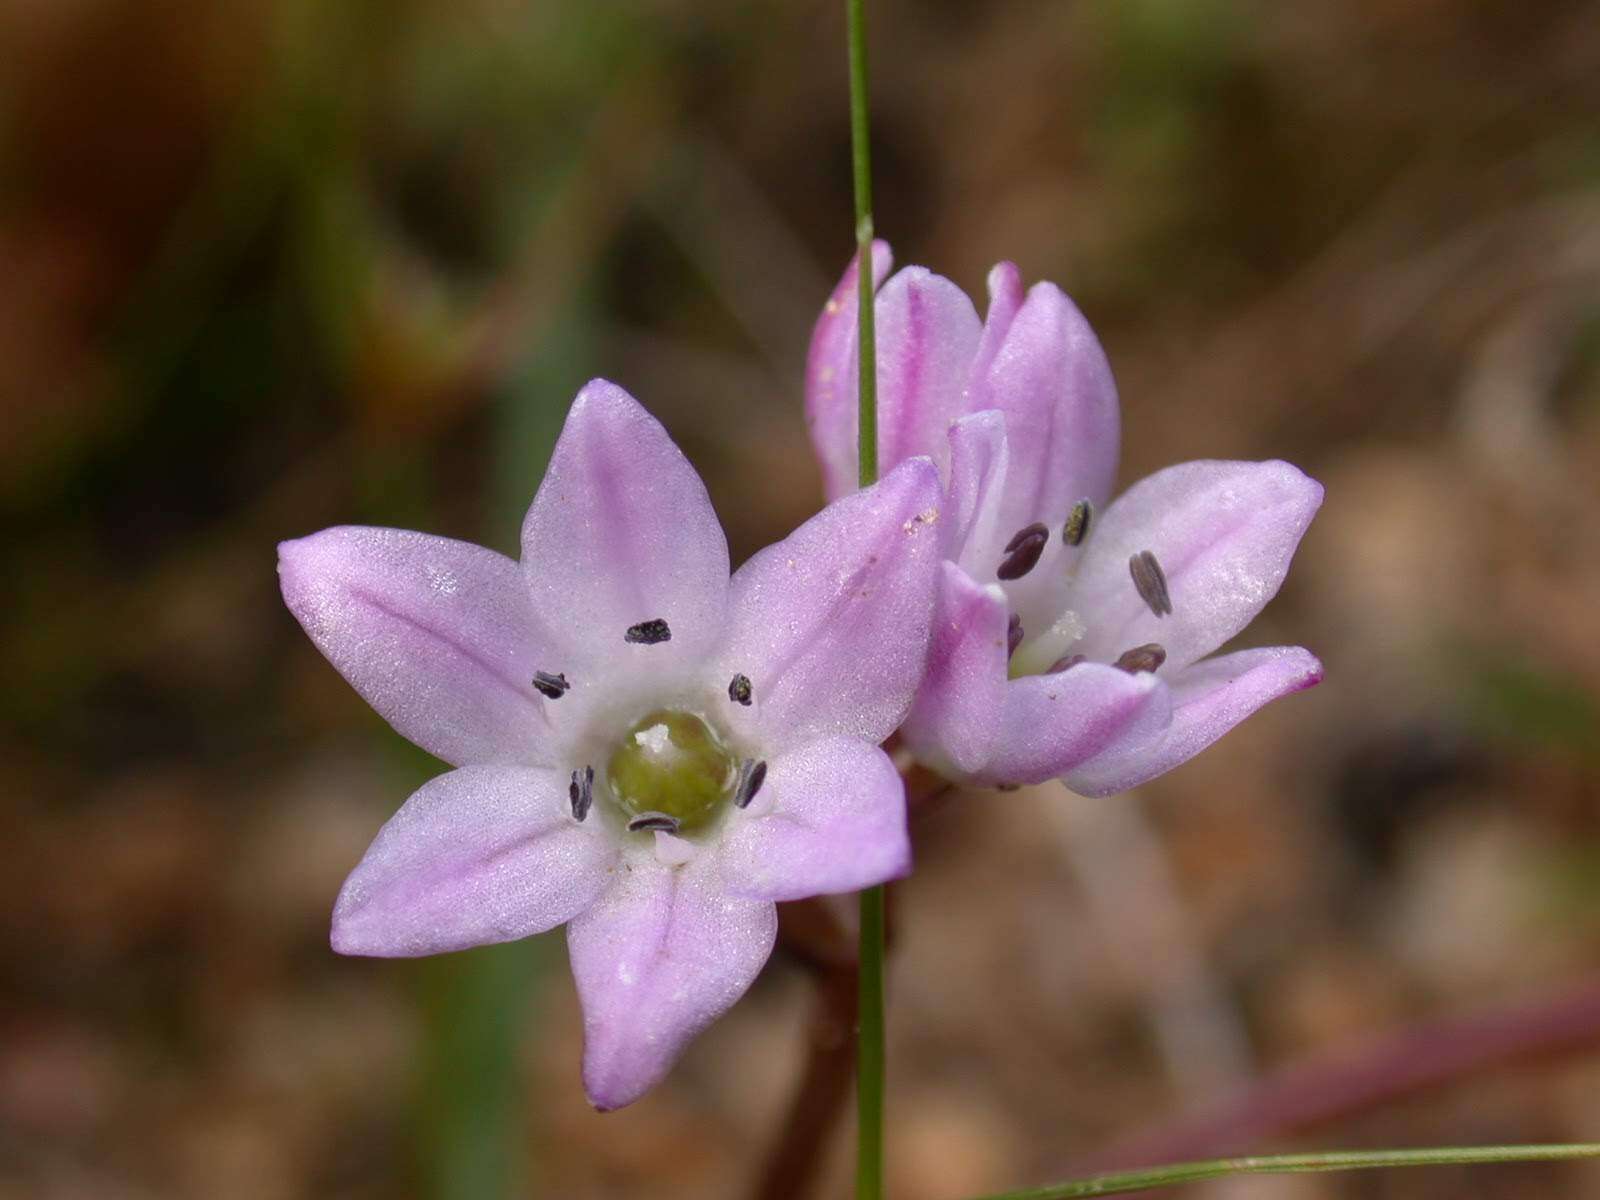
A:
1070	635
643	748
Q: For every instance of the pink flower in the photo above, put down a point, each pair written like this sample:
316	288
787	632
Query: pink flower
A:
1070	635
644	748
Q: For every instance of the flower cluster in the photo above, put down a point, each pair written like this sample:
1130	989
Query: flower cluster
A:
654	753
1071	634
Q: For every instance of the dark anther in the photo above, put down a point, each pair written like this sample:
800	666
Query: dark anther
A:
551	687
752	774
1077	526
1066	663
1013	634
648	633
1023	551
1142	658
653	822
739	690
1150	582
581	792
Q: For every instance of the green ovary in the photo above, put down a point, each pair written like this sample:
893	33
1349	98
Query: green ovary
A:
673	763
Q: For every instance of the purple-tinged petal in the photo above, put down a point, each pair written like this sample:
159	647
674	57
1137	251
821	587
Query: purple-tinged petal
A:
1223	534
831	817
1005	298
621	533
1208	699
438	635
956	717
476	856
978	457
831	379
927	332
1051	379
661	955
831	624
1054	722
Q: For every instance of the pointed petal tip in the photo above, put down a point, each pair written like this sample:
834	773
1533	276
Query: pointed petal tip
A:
306	564
1005	282
607	1093
1210	698
347	936
1068	316
1312	672
355	934
912	484
882	259
882	262
1296	483
601	393
296	554
1054	723
920	471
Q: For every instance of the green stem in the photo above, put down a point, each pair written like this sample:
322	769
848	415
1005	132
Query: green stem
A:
1296	1164
870	1050
870	1027
861	171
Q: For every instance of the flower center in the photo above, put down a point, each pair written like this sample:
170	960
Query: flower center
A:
673	764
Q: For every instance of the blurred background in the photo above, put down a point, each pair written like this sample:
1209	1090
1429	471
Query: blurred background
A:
281	264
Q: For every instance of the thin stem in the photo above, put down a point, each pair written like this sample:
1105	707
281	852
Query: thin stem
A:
870	1019
870	1049
861	172
1297	1164
1358	1077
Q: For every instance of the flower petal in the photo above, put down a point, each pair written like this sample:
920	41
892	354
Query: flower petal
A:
1051	379
927	332
438	635
978	458
1223	533
476	856
831	624
622	532
1208	698
830	818
664	952
831	378
958	710
1054	722
1005	298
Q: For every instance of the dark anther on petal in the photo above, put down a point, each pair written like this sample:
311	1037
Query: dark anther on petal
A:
653	822
581	792
1013	634
1150	582
551	687
739	690
1142	658
1077	526
1066	663
648	633
1023	551
752	774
